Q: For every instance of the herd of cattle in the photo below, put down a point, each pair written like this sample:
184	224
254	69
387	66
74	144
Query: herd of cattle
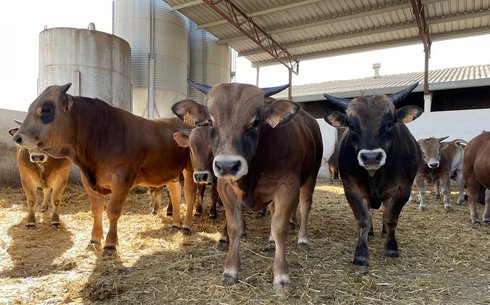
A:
254	151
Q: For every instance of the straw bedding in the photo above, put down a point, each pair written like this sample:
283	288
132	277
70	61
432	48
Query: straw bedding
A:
443	258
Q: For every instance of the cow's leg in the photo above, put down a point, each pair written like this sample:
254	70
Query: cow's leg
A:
47	192
285	202
97	202
445	184
305	201
201	188
175	195
234	226
58	189
472	189
214	201
437	189
190	189
486	212
114	210
391	214
155	195
461	186
420	182
30	191
361	211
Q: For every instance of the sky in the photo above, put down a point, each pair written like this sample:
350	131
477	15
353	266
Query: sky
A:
22	21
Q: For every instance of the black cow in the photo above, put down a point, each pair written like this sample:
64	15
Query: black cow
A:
378	161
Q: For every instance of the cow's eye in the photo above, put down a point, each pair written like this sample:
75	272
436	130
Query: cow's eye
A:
255	123
47	113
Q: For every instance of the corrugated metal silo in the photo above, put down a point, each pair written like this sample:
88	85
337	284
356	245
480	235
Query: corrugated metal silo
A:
96	63
210	63
158	39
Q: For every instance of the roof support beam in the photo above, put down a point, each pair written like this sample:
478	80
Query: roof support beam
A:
239	19
186	5
262	12
419	13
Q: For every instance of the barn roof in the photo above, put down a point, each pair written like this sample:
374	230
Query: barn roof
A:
442	79
305	29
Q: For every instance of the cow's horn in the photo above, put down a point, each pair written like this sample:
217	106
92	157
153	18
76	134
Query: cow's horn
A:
400	95
273	90
341	102
65	87
18	122
201	87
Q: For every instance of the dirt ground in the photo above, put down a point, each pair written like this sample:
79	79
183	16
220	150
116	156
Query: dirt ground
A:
443	258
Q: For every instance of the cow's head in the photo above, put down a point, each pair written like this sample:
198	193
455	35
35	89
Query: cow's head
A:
370	120
45	124
431	151
200	145
237	112
35	154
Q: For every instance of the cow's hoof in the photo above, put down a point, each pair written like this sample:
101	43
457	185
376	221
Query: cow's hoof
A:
31	225
422	207
361	261
281	282
186	231
168	213
303	245
55	224
448	208
109	250
176	228
475	222
392	253
229	279
486	221
94	246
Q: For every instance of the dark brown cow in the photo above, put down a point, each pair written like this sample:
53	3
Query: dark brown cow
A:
435	169
476	172
264	152
38	170
378	161
114	149
201	152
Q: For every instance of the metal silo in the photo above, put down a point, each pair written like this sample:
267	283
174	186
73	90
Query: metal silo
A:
96	63
158	39
210	63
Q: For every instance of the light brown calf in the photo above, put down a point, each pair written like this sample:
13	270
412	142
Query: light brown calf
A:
38	170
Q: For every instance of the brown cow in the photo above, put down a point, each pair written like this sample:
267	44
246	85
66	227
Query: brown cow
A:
476	172
378	161
263	153
454	150
333	165
435	169
114	149
201	152
38	170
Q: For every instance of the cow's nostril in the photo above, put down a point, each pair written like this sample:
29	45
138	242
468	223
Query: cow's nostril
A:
228	167
17	139
199	177
379	157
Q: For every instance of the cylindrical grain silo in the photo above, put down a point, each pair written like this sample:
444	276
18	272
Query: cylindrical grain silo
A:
96	63
159	48
210	63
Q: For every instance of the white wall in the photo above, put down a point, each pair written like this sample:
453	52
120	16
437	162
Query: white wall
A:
329	136
459	124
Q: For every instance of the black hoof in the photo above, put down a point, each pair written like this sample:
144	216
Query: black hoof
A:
109	250
31	225
186	231
392	253
229	279
361	261
304	246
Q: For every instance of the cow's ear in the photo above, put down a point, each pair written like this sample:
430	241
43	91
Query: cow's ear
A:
66	102
336	119
407	114
280	112
13	131
181	139
191	112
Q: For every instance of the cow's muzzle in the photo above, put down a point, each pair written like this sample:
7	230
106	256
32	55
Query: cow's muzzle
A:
203	177
38	158
371	159
230	166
